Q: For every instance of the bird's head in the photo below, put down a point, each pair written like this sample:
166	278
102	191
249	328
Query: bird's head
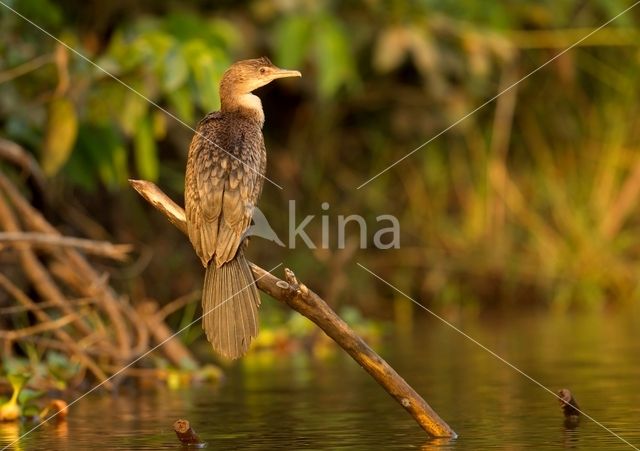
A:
247	75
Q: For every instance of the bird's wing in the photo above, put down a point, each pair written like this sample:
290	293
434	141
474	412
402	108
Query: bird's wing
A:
241	192
203	201
220	192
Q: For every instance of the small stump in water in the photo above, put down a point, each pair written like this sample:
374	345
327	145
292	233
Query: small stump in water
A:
187	435
570	408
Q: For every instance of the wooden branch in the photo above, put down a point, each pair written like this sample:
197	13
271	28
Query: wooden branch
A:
71	344
25	68
179	355
297	296
56	407
568	403
36	271
44	305
102	248
39	328
177	304
187	435
16	155
107	297
162	202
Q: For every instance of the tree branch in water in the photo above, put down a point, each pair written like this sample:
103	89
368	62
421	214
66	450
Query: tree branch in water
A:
187	435
297	296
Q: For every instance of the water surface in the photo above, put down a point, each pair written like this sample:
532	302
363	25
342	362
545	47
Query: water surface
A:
290	402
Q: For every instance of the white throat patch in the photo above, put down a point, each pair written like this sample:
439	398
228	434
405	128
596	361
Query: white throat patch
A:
252	103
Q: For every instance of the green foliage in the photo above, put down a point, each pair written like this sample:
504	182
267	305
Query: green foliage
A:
534	201
335	62
146	153
324	39
176	62
293	36
60	135
30	379
12	410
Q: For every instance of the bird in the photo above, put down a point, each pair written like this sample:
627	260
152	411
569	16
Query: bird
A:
225	172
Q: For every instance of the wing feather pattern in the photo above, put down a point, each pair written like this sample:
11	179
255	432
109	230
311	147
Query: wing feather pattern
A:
222	189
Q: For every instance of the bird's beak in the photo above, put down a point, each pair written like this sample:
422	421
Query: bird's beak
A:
283	73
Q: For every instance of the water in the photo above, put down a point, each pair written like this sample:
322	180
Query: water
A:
275	402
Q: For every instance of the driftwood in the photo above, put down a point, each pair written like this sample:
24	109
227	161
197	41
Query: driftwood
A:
569	405
57	408
297	296
187	435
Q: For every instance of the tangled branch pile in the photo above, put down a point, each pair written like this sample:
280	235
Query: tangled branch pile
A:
68	306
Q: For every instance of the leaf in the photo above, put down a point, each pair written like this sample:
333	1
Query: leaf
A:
27	395
122	55
10	411
133	110
293	35
60	135
391	48
175	70
207	66
60	366
161	58
425	55
44	12
146	153
120	164
224	34
183	25
100	156
180	101
333	56
159	124
18	381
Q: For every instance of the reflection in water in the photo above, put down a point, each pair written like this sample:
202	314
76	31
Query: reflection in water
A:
9	433
60	428
570	434
438	444
272	402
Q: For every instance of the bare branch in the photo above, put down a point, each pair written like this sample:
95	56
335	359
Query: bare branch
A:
297	296
178	303
153	195
16	155
25	68
102	248
19	295
39	328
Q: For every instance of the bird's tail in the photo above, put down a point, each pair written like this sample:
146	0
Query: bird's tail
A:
230	301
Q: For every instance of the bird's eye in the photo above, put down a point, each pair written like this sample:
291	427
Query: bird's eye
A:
263	70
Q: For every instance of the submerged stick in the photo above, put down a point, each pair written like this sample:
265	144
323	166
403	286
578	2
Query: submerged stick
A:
569	405
297	296
187	435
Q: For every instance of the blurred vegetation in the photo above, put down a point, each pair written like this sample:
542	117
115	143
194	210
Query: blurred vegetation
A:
52	375
531	200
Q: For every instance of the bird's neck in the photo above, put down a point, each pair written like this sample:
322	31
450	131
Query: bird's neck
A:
245	104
